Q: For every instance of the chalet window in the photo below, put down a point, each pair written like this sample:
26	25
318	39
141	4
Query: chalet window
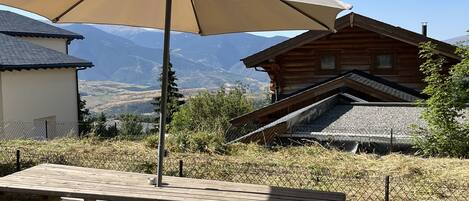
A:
328	62
384	61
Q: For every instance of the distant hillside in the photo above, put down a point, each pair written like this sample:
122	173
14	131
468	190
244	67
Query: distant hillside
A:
116	98
456	40
219	50
134	55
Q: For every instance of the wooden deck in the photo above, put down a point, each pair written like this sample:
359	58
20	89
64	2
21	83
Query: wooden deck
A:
55	181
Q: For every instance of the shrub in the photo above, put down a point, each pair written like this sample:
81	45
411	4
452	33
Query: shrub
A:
100	129
130	125
151	141
211	111
202	142
447	130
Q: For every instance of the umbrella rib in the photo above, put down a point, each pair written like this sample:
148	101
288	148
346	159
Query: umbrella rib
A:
67	11
196	17
306	14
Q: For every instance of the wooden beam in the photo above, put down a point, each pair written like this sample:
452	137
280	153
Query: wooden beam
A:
284	104
278	80
372	92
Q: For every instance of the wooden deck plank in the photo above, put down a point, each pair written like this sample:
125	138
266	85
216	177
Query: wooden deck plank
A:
180	182
169	191
208	185
136	178
67	181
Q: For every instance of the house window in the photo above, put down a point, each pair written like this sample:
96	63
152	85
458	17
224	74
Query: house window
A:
328	62
384	61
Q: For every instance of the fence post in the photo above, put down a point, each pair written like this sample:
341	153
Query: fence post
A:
78	129
47	134
386	188
181	168
18	164
391	141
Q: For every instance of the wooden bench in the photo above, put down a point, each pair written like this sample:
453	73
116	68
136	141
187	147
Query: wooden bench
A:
51	182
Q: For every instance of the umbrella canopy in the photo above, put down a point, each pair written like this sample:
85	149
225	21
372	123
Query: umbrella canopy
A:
205	17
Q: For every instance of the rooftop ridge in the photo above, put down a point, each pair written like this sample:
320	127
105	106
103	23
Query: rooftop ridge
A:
14	24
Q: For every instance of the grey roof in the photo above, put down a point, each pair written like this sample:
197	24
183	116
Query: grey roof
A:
280	126
383	87
357	76
17	25
18	54
368	118
374	82
364	122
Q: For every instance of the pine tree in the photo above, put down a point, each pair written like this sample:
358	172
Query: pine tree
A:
100	128
84	118
175	98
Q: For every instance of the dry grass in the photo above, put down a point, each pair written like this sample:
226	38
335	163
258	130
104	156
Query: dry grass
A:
312	167
308	156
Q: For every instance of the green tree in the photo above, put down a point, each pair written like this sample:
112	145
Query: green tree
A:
85	120
211	111
131	125
174	100
264	100
447	130
100	128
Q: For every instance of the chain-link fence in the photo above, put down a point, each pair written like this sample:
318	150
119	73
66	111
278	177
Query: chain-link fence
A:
353	133
38	130
48	130
354	138
356	187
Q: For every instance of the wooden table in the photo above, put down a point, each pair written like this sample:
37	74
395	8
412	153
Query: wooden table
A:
55	181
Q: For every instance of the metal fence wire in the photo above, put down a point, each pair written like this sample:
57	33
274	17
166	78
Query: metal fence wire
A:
325	133
38	130
48	129
356	187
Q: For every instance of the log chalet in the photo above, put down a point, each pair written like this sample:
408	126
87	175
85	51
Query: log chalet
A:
357	84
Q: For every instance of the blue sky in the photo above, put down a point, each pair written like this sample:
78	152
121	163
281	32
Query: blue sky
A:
447	19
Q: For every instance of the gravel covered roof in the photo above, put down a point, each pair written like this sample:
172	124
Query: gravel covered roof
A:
17	25
365	119
18	54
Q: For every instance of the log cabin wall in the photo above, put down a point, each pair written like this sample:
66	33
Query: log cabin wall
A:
353	48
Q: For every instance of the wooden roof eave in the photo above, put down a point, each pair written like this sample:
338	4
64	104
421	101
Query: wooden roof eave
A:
337	83
403	35
270	53
349	20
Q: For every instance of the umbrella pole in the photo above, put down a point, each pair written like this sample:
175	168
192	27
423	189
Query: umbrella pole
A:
164	92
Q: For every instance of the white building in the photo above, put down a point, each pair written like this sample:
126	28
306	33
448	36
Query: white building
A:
38	79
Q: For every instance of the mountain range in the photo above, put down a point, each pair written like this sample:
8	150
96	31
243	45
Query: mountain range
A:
134	56
128	62
458	40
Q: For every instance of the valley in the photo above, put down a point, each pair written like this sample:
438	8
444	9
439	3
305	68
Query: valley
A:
114	98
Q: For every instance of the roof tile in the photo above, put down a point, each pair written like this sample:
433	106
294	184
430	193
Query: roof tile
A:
17	54
17	25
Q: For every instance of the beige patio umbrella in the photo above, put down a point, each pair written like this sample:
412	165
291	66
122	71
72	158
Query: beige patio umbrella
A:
204	17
